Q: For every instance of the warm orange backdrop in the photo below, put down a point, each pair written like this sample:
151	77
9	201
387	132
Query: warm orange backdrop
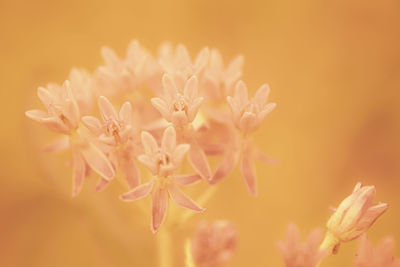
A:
334	70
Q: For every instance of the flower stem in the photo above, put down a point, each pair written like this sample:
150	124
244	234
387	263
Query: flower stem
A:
164	247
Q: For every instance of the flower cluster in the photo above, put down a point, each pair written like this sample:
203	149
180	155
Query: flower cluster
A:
175	107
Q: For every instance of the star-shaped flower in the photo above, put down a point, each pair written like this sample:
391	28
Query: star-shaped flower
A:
162	162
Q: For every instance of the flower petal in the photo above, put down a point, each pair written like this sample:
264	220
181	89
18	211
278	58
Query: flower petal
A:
162	107
190	90
148	162
261	96
248	171
129	168
224	168
182	199
125	113
98	162
149	143
138	192
159	208
58	145
179	153
55	124
107	110
168	142
78	173
199	162
241	94
248	121
169	86
36	114
187	179
93	124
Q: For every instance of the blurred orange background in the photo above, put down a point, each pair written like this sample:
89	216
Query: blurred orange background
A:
334	70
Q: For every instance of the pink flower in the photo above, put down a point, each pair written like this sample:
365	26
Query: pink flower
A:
248	114
214	243
298	254
178	107
162	162
121	75
355	214
62	114
179	65
117	132
381	256
218	80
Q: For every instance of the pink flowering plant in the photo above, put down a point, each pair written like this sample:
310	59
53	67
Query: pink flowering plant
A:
179	112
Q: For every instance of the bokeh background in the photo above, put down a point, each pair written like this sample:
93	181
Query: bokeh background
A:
334	70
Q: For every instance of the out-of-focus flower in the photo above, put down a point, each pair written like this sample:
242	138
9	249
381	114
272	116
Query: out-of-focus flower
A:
162	162
353	217
214	243
249	114
298	254
381	256
63	116
121	75
178	107
178	63
117	132
218	80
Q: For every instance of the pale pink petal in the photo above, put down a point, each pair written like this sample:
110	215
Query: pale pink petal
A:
261	96
161	106
130	170
71	112
236	65
107	110
58	145
110	57
168	142
36	114
234	108
241	94
266	159
182	199
199	162
101	185
247	121
263	113
179	118
371	215
93	124
55	124
125	113
190	90
225	167
248	171
169	86
179	153
194	108
78	173
159	208
138	192
45	96
148	162
187	179
201	60
149	143
99	163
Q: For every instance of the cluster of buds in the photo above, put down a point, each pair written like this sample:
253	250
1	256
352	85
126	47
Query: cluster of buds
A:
173	107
